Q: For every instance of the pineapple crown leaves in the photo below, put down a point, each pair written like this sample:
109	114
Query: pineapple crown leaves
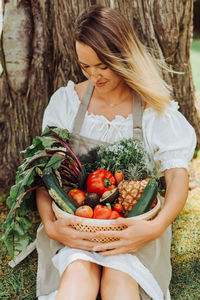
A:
47	152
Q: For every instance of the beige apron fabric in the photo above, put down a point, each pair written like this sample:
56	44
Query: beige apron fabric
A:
155	256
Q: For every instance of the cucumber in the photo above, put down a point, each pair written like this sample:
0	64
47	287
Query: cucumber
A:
57	194
146	200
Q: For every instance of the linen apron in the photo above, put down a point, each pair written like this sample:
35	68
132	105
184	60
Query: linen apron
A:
155	255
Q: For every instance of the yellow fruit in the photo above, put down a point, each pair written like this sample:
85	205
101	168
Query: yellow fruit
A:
129	192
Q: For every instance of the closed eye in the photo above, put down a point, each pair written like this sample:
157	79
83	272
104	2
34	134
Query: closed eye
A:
84	67
99	66
104	68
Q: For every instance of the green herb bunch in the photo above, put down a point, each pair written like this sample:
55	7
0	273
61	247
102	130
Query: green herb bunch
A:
127	155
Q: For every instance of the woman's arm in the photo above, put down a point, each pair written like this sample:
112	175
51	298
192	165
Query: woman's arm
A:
141	232
177	183
44	203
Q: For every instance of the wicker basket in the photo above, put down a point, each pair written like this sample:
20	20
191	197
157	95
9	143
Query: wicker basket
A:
94	225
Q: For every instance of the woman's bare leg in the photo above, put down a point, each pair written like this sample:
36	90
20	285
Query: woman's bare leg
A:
118	285
80	280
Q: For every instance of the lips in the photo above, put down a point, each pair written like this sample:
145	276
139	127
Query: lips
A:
100	84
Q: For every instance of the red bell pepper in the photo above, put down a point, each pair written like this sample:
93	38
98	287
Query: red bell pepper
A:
102	212
100	181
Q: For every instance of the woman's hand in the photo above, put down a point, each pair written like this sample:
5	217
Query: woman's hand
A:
137	234
61	230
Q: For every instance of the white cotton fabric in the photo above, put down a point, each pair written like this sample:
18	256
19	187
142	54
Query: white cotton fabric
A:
170	141
169	138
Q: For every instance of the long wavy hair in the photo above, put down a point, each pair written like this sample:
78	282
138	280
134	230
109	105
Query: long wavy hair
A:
116	44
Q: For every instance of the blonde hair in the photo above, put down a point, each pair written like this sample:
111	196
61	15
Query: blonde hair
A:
113	39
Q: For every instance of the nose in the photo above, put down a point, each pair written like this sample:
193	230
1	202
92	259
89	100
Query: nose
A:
94	75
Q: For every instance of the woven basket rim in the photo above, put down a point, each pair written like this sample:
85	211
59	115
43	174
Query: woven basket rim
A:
148	215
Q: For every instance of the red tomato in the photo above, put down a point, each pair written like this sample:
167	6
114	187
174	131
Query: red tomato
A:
114	215
118	207
77	195
84	211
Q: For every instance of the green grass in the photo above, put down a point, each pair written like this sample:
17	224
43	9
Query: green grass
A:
195	63
16	283
185	283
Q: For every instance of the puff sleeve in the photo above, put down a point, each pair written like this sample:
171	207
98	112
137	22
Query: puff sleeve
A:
62	108
169	138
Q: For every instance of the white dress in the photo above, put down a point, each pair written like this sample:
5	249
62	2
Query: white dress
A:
169	139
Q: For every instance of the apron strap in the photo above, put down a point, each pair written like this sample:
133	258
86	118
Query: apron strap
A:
138	109
78	121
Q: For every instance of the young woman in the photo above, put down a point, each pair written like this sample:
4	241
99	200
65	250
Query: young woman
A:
123	96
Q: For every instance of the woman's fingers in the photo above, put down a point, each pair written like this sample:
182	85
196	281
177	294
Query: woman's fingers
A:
124	221
82	244
67	226
122	250
70	221
107	246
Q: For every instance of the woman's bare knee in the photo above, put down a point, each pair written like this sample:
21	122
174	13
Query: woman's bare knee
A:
86	270
118	285
84	273
82	266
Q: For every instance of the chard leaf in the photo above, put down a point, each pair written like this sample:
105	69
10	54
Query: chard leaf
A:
16	236
62	133
39	144
42	154
54	162
21	243
27	179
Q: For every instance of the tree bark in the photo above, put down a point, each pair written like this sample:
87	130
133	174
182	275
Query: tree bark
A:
37	56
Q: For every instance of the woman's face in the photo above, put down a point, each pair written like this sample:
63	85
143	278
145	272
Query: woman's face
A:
97	72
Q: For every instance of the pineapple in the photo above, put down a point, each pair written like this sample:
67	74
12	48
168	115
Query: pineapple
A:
129	192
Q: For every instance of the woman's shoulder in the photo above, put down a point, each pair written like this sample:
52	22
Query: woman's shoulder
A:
170	114
62	106
170	118
171	125
80	88
169	109
70	93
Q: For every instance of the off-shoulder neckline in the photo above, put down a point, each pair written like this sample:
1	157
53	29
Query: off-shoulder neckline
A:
98	117
174	106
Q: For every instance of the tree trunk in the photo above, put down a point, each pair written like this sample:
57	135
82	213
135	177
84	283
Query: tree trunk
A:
37	57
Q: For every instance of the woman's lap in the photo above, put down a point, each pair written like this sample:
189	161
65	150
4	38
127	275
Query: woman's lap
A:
81	266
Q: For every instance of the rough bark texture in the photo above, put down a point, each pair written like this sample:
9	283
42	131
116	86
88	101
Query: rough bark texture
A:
37	57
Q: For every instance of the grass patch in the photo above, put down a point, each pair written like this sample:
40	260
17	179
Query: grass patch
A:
16	283
195	63
185	254
185	283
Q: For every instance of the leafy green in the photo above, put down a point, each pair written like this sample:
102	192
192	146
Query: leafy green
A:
50	151
127	155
